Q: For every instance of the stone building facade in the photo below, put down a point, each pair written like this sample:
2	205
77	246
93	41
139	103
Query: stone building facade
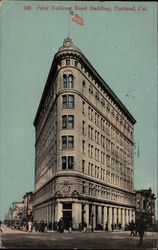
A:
84	152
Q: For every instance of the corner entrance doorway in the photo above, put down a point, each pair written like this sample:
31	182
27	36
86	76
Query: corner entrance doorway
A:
67	215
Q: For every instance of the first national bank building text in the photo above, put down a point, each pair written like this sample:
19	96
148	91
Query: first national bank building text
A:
84	148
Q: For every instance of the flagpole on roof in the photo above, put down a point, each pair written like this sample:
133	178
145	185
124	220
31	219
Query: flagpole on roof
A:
68	24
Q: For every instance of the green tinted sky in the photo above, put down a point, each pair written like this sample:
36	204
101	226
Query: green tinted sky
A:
121	45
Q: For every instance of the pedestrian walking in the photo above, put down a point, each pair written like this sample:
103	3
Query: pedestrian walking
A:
30	226
70	226
141	227
112	227
45	226
132	226
106	228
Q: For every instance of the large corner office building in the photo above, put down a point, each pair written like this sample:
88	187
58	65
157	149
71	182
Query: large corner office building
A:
84	150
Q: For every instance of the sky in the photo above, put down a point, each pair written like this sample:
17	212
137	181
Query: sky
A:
120	43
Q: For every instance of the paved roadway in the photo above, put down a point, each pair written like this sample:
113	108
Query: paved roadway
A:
12	239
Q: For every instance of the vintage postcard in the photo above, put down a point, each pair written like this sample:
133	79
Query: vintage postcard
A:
78	123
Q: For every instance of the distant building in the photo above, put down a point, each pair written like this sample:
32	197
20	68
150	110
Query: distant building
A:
145	205
28	206
84	148
15	211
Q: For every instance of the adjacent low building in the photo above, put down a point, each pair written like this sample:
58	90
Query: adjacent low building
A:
145	205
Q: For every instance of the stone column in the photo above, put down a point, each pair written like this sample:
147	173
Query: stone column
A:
110	218
53	212
115	216
47	213
130	215
58	211
126	216
86	214
123	217
119	215
76	214
94	217
99	215
105	217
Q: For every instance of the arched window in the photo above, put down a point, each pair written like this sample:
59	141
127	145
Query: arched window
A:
65	81
68	81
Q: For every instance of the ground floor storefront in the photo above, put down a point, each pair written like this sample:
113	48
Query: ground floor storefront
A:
79	213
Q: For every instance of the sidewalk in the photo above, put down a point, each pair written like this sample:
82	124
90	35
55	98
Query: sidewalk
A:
7	230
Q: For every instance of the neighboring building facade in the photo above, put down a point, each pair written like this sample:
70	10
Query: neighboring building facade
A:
84	149
28	206
15	212
145	205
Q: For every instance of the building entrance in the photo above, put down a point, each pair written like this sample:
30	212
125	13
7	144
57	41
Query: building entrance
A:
67	215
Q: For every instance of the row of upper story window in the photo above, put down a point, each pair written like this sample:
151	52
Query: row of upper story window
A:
100	171
68	82
99	138
100	155
105	126
45	125
68	101
113	165
46	191
92	189
45	113
44	177
46	140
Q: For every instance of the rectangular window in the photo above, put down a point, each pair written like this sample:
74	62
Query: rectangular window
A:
83	146
83	127
68	101
89	166
92	133
64	101
89	127
67	62
64	141
96	136
70	121
70	162
92	151
70	141
67	142
67	121
83	107
64	121
89	113
83	166
89	146
83	187
64	162
67	162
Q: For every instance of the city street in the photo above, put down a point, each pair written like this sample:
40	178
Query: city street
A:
12	239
